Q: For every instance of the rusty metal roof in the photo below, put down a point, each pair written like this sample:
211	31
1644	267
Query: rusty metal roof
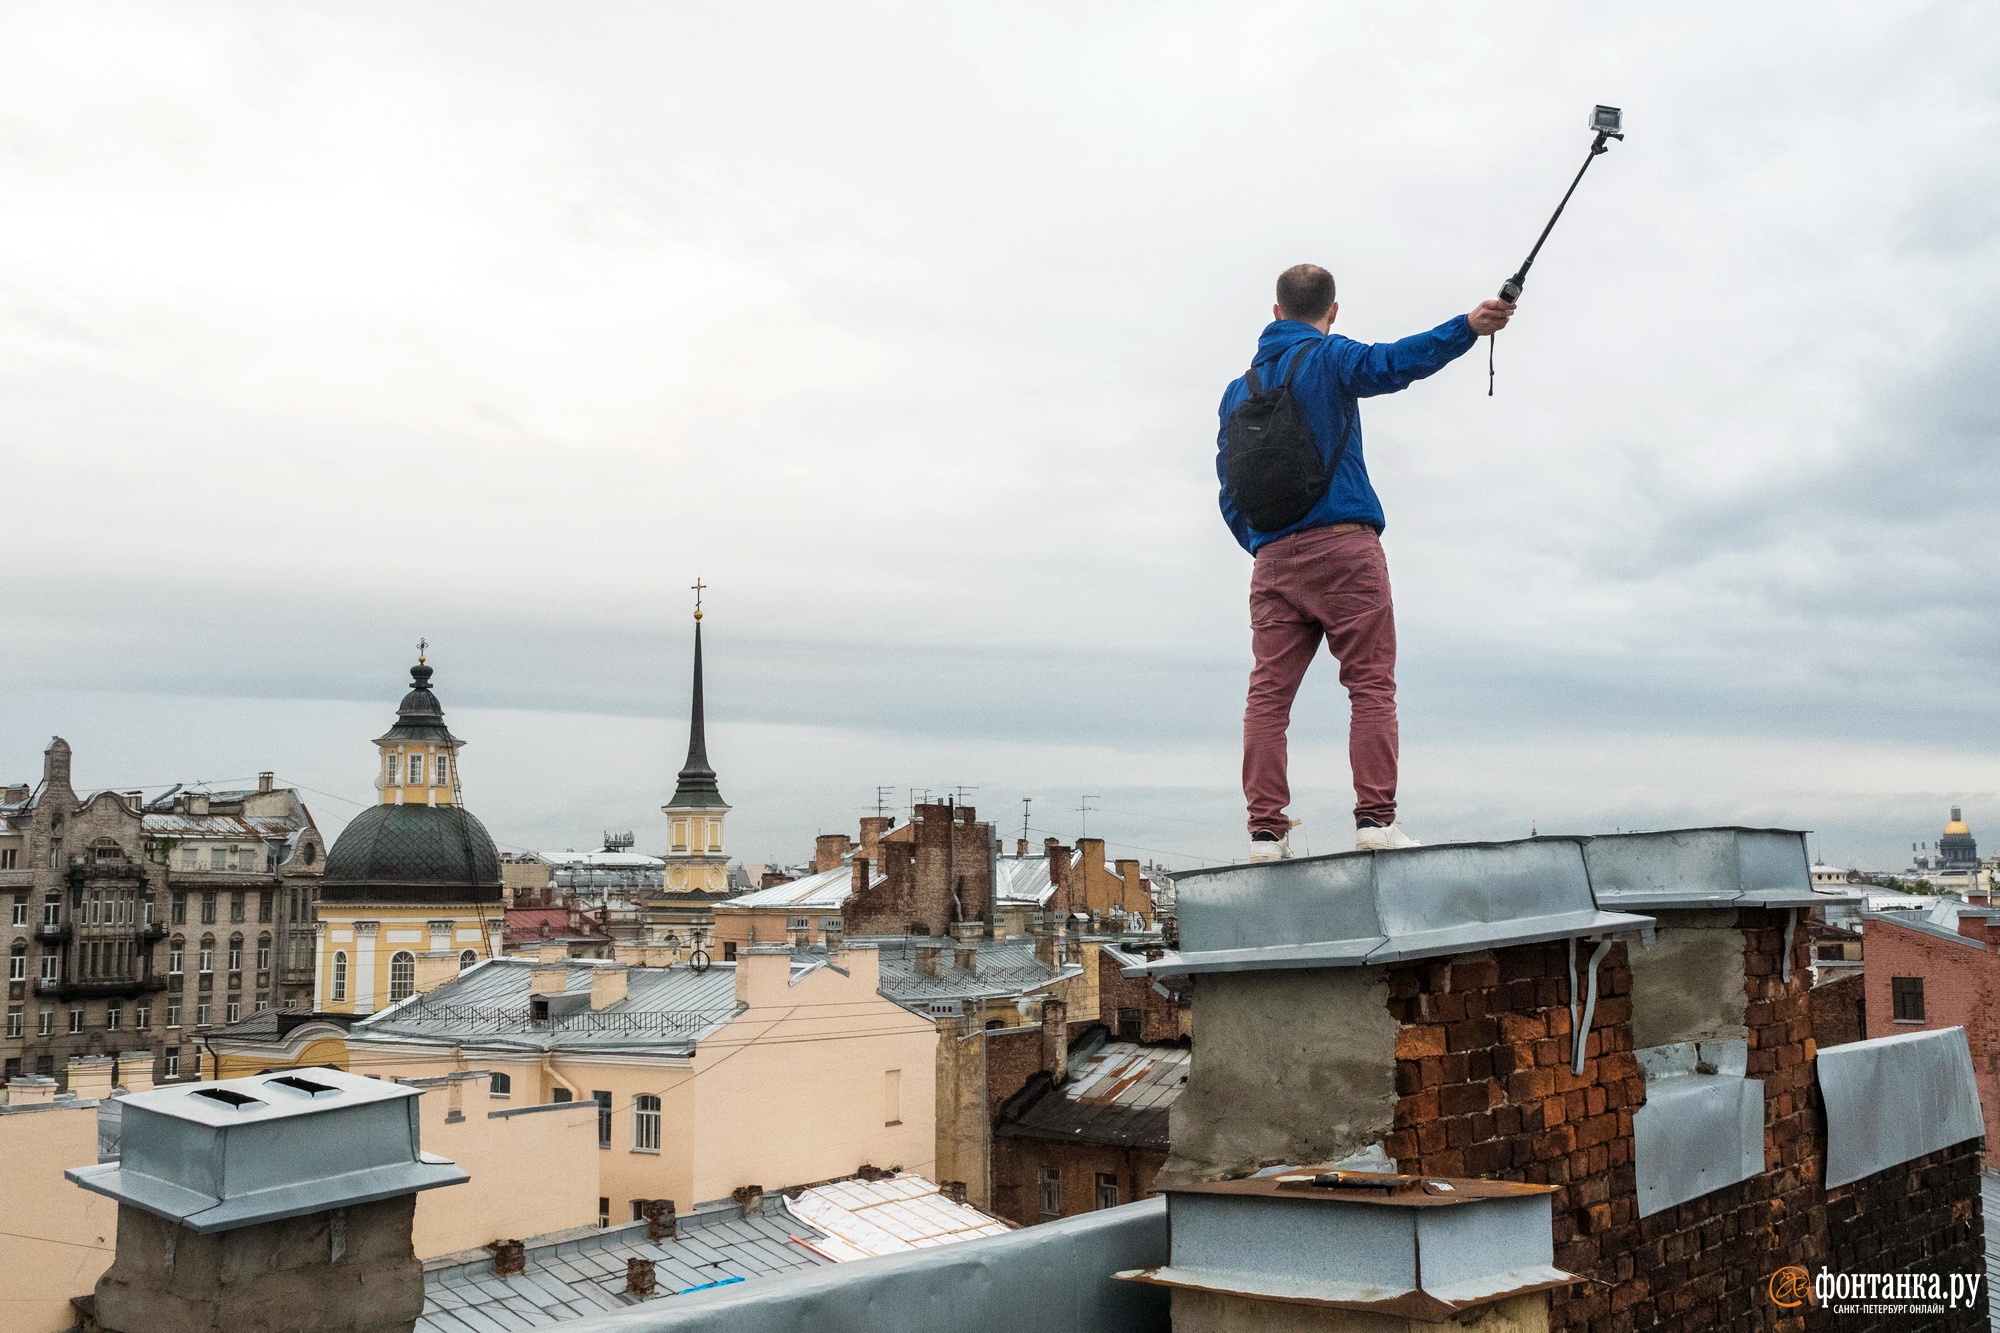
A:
1117	1092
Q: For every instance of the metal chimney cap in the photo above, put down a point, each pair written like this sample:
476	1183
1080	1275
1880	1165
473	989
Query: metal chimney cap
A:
1724	866
220	1155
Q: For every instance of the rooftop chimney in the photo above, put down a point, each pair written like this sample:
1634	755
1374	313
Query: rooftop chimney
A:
639	1279
509	1257
1055	1039
862	875
872	829
967	957
33	1090
1020	847
954	1190
548	979
265	781
607	986
661	1224
749	1198
927	959
197	802
91	1076
136	799
829	850
551	952
135	1071
235	1199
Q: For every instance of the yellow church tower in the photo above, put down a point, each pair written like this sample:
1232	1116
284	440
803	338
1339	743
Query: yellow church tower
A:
696	874
411	895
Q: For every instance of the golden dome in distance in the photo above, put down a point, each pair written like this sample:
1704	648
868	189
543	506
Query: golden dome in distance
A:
1956	826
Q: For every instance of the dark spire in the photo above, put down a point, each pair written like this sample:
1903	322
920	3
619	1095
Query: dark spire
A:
420	717
697	787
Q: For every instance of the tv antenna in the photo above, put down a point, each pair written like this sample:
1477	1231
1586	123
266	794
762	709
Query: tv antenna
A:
1084	807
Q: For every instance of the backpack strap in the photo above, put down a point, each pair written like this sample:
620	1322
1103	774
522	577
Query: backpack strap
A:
1251	382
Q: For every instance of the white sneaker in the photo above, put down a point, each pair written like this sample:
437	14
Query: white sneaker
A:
1373	839
1271	849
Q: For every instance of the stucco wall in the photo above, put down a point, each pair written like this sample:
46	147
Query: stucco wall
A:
57	1239
1288	1066
531	1173
1689	985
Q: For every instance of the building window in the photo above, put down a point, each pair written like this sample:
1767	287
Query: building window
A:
180	910
20	904
798	923
892	1097
76	1018
402	975
340	976
263	1001
729	951
17	963
208	905
176	955
467	959
173	1013
646	1123
201	1013
263	953
603	1100
1907	995
1051	1183
562	1095
45	1022
234	1009
1107	1190
416	770
500	1085
52	911
235	953
15	1020
443	771
206	960
264	907
603	1211
218	859
8	856
51	968
1130	1023
114	1016
174	1063
142	1015
236	904
190	858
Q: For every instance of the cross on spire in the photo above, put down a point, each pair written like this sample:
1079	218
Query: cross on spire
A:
697	588
422	646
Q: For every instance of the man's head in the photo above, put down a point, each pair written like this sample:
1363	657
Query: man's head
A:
1305	293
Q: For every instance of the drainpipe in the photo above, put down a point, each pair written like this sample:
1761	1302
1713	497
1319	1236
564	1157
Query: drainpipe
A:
1579	1038
549	1068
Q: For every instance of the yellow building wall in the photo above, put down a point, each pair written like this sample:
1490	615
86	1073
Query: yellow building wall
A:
531	1174
57	1239
397	928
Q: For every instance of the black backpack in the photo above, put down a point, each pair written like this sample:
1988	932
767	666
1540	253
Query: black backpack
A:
1271	465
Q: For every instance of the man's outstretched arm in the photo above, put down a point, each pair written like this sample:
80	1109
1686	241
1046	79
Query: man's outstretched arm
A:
1368	369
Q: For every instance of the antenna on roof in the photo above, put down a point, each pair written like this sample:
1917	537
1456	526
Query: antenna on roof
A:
1084	807
882	795
1025	802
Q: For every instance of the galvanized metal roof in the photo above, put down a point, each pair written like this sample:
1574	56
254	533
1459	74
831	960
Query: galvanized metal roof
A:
175	825
569	1279
828	890
1702	1126
1023	880
1006	968
668	1010
866	1219
1117	1092
1357	908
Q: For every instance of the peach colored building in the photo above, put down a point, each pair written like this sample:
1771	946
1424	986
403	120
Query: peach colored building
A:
769	1071
57	1239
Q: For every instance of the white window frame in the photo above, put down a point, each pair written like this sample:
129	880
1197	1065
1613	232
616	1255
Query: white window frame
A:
402	961
646	1122
340	974
441	771
416	770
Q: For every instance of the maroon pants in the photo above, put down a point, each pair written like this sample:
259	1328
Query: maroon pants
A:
1328	584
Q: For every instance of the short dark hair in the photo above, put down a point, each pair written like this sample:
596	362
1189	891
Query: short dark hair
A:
1305	292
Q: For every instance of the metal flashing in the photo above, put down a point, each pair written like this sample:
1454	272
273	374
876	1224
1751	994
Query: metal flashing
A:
1724	866
1702	1126
1356	908
1892	1099
221	1155
1407	1246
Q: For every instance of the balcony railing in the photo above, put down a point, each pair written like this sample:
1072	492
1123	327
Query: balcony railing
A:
100	987
54	932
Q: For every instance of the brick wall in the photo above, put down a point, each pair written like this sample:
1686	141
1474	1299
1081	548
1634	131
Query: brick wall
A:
1484	1088
1018	1164
1920	1216
1161	1017
940	873
1840	1010
1961	987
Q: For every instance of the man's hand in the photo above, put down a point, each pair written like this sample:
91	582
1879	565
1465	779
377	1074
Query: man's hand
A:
1490	316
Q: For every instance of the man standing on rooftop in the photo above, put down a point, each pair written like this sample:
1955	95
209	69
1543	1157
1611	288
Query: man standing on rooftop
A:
1323	577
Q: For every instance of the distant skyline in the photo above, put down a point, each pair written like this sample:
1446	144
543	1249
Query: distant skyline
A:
324	328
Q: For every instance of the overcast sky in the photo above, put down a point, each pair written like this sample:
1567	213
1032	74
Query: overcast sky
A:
326	327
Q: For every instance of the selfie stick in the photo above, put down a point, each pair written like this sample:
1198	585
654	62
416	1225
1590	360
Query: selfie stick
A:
1607	121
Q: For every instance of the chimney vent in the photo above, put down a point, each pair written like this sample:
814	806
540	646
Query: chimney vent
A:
661	1223
1020	847
749	1198
927	959
967	958
608	986
859	882
265	781
639	1279
953	1190
509	1257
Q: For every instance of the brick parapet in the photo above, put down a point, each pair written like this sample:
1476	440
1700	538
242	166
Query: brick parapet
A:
1919	1216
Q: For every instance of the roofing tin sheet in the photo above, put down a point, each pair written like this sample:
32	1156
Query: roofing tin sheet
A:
1702	1126
1359	908
1705	867
1896	1098
221	1155
1401	1245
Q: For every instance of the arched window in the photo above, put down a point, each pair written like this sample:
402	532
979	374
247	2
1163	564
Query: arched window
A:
340	976
263	953
467	959
402	975
176	953
235	953
500	1085
646	1123
208	953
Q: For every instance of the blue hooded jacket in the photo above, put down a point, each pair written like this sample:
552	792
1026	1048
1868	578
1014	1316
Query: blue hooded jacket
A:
1335	373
